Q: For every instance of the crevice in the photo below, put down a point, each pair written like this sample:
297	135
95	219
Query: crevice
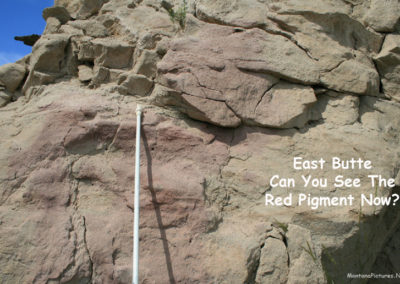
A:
288	34
205	87
87	249
253	263
262	97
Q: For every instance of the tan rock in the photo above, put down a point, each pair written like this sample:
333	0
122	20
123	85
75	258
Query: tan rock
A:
383	16
5	98
351	76
48	53
388	62
234	76
52	25
244	13
91	28
85	73
146	64
285	106
137	85
81	9
337	109
112	53
11	76
58	12
273	267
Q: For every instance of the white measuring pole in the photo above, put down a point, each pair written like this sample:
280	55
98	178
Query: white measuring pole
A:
135	271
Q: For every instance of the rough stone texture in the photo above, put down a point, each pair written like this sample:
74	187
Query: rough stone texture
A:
5	97
273	262
90	28
112	53
11	76
85	73
232	96
388	63
352	77
58	12
47	60
137	85
237	75
81	9
335	108
245	13
146	64
52	26
383	16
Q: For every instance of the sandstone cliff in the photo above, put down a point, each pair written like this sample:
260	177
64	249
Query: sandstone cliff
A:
234	90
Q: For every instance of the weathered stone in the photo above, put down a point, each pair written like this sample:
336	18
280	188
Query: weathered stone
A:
112	53
52	26
273	267
351	76
85	73
245	13
326	31
100	76
337	109
285	106
5	98
11	76
47	60
380	115
58	12
48	53
142	19
81	9
91	28
67	29
146	64
215	112
137	85
383	16
65	155
388	64
236	75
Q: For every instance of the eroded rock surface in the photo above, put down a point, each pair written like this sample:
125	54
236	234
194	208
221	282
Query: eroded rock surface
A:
234	91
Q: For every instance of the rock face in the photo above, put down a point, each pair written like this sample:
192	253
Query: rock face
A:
234	90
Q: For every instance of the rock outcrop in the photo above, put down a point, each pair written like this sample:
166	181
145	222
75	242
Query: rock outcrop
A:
233	90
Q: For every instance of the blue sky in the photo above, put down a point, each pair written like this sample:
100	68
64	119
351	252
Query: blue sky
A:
18	18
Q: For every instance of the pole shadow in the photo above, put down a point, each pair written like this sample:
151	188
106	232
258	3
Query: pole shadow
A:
157	210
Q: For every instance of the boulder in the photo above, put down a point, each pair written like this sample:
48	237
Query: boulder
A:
48	53
11	76
47	60
136	84
58	12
